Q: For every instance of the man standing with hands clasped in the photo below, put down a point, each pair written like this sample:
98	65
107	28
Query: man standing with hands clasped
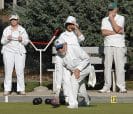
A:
114	48
14	39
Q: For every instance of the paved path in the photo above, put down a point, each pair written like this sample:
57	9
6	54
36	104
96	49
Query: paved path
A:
95	96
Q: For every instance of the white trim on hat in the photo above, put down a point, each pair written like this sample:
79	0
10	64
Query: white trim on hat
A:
71	19
14	17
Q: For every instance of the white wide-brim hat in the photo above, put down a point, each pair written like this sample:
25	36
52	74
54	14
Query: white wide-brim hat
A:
71	19
16	17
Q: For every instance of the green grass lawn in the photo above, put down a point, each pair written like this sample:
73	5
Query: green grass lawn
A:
28	108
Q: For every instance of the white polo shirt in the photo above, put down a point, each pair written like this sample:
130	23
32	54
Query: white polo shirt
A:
117	40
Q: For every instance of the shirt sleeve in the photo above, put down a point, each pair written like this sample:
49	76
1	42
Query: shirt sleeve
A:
81	38
4	39
103	24
121	21
25	38
85	59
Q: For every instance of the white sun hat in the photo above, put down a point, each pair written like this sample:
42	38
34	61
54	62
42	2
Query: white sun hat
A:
14	16
71	19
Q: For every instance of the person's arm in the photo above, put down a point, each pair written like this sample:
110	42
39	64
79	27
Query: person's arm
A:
106	32
23	38
85	59
5	37
118	29
105	28
82	64
77	31
80	36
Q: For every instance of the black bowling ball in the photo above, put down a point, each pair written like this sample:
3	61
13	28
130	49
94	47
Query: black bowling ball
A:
36	101
40	100
47	101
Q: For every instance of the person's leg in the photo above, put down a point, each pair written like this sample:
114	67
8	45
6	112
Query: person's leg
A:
68	89
82	87
107	70
8	59
83	92
73	92
119	57
76	83
65	85
19	66
64	78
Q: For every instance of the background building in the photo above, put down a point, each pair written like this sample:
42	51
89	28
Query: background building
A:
3	3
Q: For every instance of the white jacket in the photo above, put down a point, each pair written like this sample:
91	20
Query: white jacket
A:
75	57
14	45
71	38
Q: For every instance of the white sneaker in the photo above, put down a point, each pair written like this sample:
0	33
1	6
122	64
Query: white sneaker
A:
72	106
6	93
66	99
123	91
22	93
104	90
88	103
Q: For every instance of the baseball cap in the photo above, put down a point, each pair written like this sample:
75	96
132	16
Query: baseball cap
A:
112	5
14	16
59	43
71	19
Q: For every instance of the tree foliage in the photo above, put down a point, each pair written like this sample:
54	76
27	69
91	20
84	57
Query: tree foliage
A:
41	17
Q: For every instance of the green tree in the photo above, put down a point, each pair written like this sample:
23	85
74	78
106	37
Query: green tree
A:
41	17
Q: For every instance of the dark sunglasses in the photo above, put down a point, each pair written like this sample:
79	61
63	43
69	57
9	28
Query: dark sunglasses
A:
59	48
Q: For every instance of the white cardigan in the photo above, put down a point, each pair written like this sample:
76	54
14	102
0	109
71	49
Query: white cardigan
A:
14	45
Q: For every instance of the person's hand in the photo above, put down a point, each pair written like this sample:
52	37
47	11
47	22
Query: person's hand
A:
111	16
9	37
121	32
76	73
76	27
20	39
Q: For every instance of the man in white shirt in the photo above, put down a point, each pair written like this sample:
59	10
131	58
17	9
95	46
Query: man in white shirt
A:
14	39
114	48
76	61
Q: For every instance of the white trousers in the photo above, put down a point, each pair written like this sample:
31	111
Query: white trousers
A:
68	88
72	86
12	60
118	55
